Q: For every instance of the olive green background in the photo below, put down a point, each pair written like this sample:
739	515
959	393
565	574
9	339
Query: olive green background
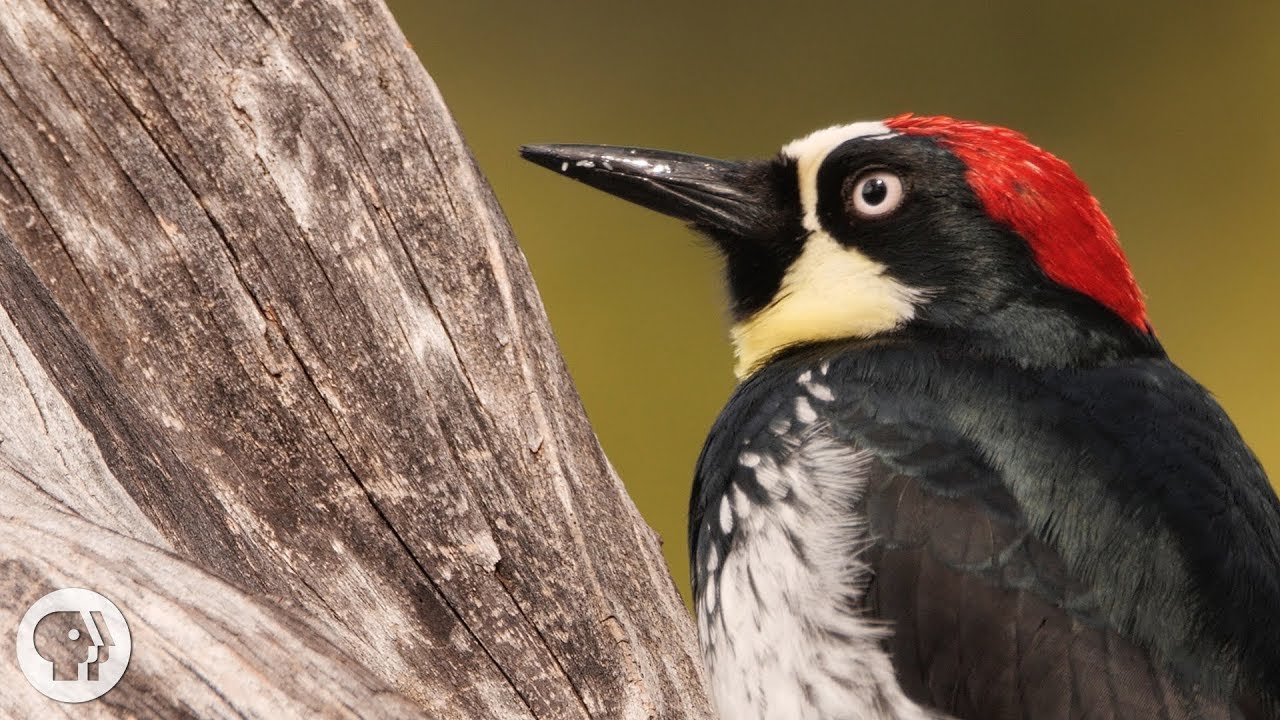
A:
1170	111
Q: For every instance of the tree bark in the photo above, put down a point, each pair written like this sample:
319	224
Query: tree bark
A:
279	384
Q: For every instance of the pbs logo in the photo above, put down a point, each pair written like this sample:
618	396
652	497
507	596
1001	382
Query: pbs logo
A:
73	645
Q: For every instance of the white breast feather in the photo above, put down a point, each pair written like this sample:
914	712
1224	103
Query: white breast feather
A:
802	650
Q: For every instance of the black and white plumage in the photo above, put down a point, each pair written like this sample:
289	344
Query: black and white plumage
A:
960	477
779	580
985	608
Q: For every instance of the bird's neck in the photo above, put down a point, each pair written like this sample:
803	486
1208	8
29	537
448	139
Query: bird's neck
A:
1052	329
1048	329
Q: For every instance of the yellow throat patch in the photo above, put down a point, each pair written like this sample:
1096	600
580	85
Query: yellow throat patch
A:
830	292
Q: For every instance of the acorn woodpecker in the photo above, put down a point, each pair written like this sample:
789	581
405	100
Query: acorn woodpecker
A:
959	478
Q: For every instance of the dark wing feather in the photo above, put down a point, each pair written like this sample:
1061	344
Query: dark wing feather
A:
987	622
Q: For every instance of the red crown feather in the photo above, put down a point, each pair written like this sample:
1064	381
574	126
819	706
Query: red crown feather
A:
1038	196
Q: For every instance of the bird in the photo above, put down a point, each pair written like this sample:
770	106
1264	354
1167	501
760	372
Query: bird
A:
959	476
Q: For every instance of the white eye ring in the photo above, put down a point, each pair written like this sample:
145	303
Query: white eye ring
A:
876	194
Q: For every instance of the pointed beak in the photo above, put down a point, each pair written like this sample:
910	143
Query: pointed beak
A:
716	195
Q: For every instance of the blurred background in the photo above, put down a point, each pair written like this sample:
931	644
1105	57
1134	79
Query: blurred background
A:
1170	112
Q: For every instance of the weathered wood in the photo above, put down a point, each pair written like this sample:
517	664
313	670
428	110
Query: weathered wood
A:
265	315
205	648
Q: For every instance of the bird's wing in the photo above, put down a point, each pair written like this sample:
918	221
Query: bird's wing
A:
987	621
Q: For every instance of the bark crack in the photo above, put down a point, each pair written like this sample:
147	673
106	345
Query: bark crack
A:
35	204
426	575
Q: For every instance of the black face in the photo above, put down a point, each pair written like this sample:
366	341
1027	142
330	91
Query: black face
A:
980	275
902	201
936	236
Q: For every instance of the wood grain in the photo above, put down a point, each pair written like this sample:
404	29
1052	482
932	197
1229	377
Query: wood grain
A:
269	332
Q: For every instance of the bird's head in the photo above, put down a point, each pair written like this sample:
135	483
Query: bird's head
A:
914	223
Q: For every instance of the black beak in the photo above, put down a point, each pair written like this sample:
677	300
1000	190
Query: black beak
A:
715	195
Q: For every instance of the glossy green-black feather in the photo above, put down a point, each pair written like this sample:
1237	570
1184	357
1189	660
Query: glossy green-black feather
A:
1063	542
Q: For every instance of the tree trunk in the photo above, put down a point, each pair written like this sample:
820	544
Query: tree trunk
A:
279	384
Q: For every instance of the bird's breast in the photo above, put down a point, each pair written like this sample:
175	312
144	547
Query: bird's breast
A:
780	582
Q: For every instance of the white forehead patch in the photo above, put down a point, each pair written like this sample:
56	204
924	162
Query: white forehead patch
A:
810	150
820	142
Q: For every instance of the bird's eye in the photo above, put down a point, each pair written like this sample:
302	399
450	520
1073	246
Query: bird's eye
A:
876	194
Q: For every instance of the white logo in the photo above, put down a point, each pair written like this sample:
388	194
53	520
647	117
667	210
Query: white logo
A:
73	645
